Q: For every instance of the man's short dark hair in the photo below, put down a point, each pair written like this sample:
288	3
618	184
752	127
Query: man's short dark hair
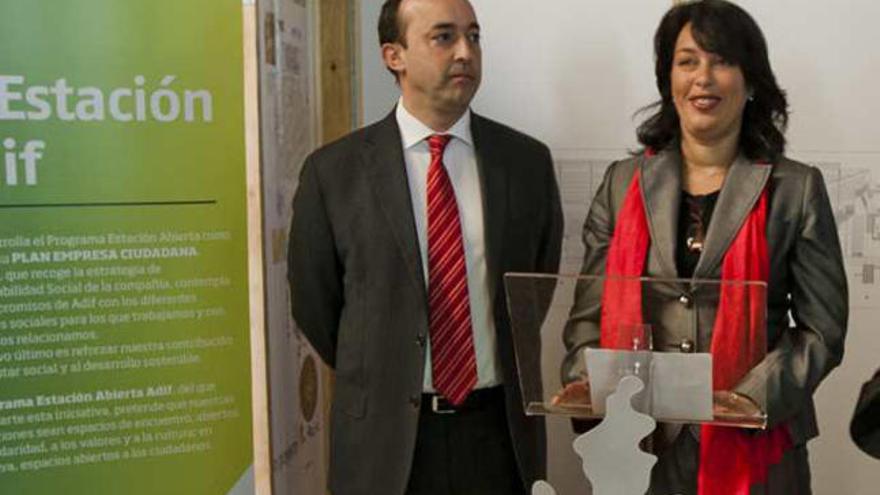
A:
390	29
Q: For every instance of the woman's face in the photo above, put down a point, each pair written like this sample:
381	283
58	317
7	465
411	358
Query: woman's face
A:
709	93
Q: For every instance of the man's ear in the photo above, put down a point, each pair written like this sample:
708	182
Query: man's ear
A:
392	56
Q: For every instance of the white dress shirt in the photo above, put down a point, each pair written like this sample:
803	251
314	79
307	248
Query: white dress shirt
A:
461	165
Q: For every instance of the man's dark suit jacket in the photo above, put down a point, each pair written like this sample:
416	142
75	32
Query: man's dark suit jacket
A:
358	290
865	426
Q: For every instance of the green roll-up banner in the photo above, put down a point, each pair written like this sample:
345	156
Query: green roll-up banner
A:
124	348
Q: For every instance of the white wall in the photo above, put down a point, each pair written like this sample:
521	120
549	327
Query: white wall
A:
573	72
379	93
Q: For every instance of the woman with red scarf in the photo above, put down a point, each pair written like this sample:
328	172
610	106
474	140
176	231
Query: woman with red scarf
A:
713	197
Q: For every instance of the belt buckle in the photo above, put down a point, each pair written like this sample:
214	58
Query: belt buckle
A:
441	406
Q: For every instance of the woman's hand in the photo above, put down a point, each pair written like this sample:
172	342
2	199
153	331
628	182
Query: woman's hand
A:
727	403
574	394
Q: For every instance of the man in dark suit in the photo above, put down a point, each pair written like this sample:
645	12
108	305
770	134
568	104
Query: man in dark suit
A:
401	234
865	425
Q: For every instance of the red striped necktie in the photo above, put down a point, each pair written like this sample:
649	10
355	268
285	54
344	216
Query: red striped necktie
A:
453	361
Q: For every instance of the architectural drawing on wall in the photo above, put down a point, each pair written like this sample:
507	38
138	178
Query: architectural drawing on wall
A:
853	189
579	174
288	134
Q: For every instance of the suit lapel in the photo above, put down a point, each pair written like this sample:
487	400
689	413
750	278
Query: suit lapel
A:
661	193
742	188
493	177
383	159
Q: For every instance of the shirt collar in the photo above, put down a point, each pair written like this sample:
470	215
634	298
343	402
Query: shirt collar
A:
413	131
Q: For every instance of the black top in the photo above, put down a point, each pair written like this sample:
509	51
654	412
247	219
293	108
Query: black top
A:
694	215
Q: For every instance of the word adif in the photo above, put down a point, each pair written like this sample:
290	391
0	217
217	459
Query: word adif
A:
24	160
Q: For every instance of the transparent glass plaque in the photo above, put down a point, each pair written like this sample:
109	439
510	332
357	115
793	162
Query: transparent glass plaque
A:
675	334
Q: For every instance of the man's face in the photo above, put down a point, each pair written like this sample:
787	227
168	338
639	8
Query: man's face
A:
439	68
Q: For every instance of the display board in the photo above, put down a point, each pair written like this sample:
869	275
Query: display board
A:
288	133
574	74
124	331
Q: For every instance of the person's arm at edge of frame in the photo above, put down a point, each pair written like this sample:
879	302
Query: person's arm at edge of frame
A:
865	425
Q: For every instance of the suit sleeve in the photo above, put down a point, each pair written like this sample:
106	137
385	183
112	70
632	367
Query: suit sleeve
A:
865	425
551	243
582	329
314	270
787	377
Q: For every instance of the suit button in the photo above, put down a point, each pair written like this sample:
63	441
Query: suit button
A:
686	345
420	340
415	401
684	299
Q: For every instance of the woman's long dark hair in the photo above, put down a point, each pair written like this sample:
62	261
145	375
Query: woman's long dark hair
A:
727	30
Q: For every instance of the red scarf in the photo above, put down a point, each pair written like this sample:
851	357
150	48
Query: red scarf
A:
731	460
